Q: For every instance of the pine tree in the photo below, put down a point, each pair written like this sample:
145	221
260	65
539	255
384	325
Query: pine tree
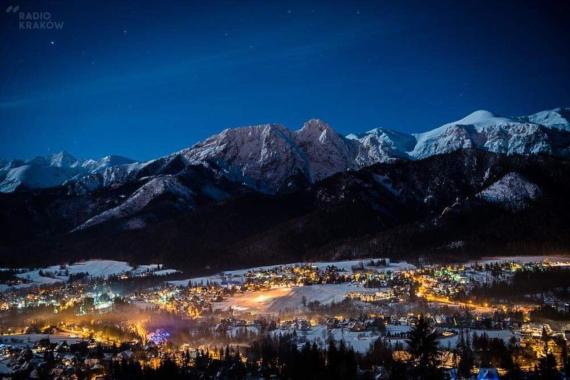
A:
467	359
423	348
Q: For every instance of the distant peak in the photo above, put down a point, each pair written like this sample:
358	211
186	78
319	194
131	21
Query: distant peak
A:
315	126
62	154
61	159
116	157
477	117
316	123
261	127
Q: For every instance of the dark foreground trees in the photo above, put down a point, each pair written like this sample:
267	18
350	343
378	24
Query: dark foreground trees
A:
423	347
281	357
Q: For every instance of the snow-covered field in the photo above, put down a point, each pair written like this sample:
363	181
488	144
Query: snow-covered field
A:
94	268
324	294
274	301
30	339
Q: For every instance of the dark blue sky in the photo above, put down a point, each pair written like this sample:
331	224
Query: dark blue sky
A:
145	78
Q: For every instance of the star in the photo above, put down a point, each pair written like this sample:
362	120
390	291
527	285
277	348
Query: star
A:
125	31
52	43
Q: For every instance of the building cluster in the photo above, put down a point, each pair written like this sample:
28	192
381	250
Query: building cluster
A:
89	328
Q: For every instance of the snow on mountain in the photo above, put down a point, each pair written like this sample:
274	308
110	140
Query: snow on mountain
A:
140	198
63	160
105	162
326	151
35	176
381	145
53	170
267	157
102	176
558	118
262	156
483	130
511	191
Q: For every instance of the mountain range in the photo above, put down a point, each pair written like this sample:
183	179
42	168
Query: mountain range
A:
265	194
53	170
266	156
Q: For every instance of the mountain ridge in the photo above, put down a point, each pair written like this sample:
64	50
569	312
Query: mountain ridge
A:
198	219
266	157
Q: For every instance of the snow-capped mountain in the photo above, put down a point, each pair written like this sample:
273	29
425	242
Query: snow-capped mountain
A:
558	118
267	156
270	157
381	145
261	156
52	170
483	130
325	150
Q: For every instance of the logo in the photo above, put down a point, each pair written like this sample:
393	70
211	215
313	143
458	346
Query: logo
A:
35	20
12	9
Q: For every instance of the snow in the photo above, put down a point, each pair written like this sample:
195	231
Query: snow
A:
165	272
105	162
558	118
481	117
50	171
483	130
140	198
326	151
31	339
266	156
261	156
35	176
58	273
144	269
324	294
95	268
511	191
35	278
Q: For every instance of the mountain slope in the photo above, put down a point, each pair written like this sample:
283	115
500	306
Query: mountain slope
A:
511	191
399	209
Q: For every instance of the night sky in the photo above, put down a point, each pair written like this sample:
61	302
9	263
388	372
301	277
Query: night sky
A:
146	78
